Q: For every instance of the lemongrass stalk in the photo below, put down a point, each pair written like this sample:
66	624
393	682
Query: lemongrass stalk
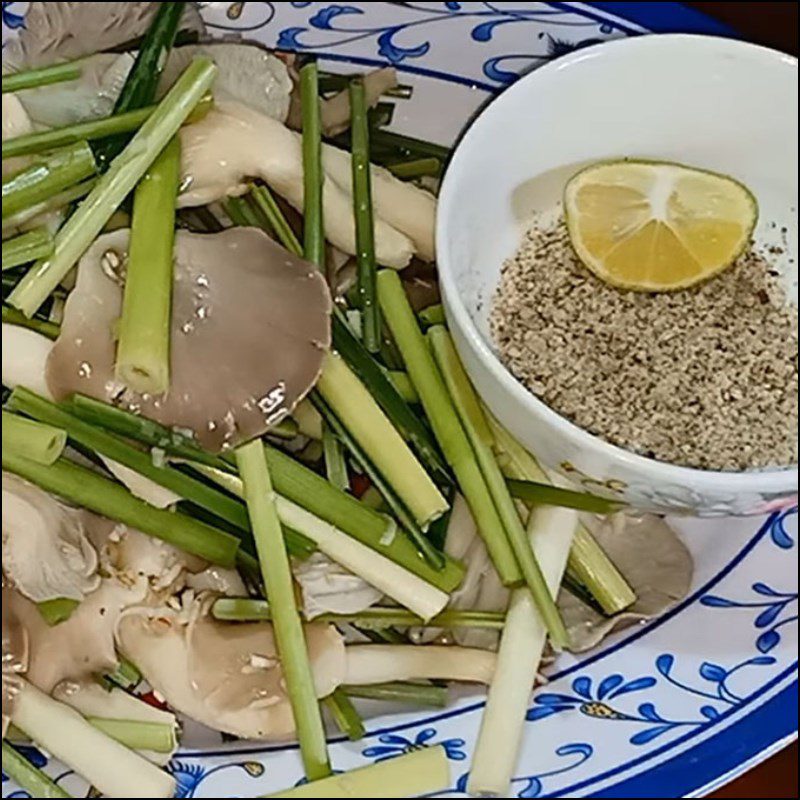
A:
26	247
28	777
52	203
416	694
286	623
156	737
91	130
115	770
518	658
266	203
342	512
362	212
432	315
47	176
308	419
85	487
378	663
239	609
355	407
13	317
335	465
422	167
444	420
143	347
123	174
126	675
39	442
43	76
423	773
547	494
403	385
58	610
345	715
479	434
588	563
235	208
313	176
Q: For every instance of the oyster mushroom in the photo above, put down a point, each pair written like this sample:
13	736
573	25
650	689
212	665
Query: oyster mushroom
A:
233	143
15	654
46	552
241	303
225	675
653	560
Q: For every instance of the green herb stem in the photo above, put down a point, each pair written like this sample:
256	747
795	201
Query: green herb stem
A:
266	203
313	176
422	167
345	715
38	442
432	315
13	317
25	774
27	247
55	202
157	737
547	494
43	76
414	694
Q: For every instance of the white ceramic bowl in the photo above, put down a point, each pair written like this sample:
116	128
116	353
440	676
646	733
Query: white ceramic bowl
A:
715	103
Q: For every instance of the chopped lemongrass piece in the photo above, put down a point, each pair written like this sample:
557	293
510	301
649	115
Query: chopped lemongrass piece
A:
111	189
549	495
43	76
26	247
358	412
590	566
518	658
47	176
13	317
141	83
53	203
432	315
91	130
28	777
479	434
39	442
85	487
115	770
416	694
445	422
308	419
269	207
365	224
408	170
143	346
425	773
239	609
335	465
126	675
345	715
58	610
285	429
588	563
286	623
157	737
403	385
380	386
378	663
313	228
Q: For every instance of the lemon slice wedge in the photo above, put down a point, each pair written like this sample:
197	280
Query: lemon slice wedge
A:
657	226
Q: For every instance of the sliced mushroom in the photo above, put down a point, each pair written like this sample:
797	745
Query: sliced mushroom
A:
654	561
233	143
241	303
223	675
15	654
46	552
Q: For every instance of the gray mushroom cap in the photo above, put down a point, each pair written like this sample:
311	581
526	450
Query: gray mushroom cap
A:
250	327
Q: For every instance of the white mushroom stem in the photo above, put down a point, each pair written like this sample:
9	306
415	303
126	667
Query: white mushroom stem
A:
379	663
521	645
25	354
113	769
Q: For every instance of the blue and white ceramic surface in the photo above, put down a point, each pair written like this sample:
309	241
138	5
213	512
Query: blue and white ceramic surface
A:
674	708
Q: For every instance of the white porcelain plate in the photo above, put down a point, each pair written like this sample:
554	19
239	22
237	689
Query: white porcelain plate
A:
675	708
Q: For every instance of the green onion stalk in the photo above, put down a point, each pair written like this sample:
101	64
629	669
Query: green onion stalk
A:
27	247
365	224
479	434
27	776
415	694
112	188
43	76
445	422
313	176
55	202
287	625
345	715
422	167
143	347
13	317
47	176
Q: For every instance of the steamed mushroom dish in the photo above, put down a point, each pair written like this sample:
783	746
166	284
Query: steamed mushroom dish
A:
246	484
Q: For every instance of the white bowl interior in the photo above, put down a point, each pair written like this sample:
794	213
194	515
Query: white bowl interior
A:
707	102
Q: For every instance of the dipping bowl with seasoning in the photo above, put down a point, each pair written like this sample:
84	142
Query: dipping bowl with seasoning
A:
681	401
